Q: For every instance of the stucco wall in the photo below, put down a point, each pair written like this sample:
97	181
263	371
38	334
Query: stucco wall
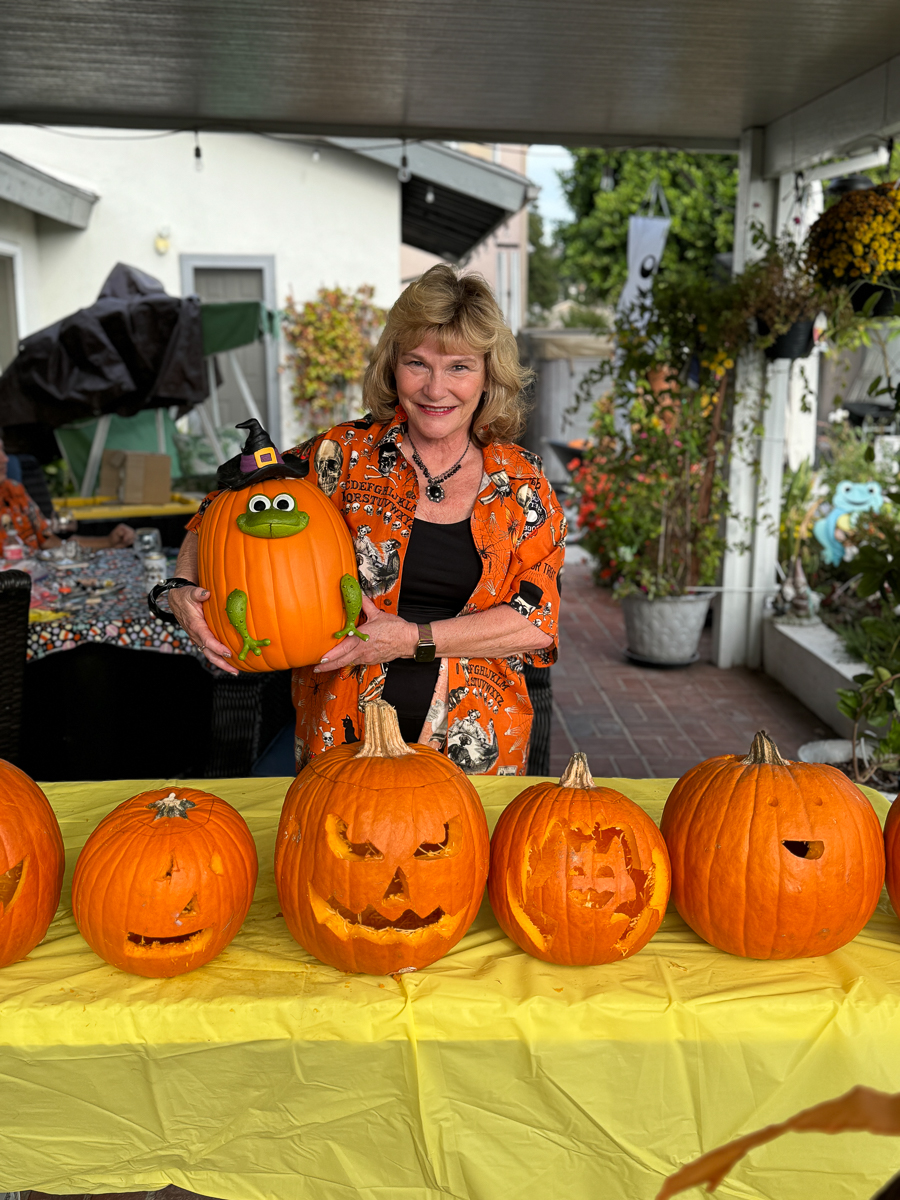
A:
328	216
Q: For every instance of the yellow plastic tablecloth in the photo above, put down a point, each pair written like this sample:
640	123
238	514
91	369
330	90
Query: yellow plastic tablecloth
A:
488	1076
109	508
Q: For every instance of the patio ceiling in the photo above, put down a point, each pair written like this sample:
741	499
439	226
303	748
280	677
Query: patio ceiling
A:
661	72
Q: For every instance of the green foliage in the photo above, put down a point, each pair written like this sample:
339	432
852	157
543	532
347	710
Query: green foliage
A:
579	317
330	340
652	489
874	640
700	190
876	703
59	478
543	267
797	499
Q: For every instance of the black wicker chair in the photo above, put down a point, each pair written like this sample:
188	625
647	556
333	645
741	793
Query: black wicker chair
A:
15	596
540	693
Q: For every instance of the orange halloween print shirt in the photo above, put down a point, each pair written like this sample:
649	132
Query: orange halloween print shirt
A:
480	715
26	518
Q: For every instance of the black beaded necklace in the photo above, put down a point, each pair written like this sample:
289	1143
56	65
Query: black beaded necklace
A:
434	491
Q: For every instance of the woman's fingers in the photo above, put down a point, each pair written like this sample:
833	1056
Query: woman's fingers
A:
187	606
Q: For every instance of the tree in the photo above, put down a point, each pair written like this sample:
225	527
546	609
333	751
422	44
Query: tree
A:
543	266
604	188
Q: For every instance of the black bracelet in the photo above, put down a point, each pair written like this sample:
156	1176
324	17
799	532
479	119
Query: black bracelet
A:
159	591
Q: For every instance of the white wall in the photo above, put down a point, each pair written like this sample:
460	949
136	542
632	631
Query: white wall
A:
329	220
18	232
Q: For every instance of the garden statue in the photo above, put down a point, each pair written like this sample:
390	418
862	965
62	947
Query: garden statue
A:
848	501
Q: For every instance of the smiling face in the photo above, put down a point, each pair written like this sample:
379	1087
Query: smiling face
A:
272	516
439	391
183	895
377	885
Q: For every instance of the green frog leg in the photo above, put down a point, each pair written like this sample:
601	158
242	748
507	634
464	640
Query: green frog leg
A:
236	611
352	594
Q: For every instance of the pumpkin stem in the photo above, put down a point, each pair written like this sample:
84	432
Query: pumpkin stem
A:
577	774
382	737
764	750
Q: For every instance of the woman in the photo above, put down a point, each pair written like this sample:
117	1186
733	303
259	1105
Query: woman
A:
459	540
24	516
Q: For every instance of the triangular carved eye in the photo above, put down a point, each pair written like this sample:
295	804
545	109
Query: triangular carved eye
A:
446	848
336	835
9	884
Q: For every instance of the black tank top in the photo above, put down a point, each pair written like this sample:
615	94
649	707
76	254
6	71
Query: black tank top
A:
441	570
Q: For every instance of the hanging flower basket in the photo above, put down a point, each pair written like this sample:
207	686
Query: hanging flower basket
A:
856	244
798	342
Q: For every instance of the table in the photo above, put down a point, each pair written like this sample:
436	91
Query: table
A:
487	1076
110	508
120	618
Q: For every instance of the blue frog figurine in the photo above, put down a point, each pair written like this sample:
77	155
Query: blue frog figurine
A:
848	501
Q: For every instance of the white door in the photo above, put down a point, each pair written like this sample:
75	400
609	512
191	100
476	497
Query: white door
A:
218	285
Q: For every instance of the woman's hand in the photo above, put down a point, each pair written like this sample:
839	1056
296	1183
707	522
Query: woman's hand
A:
187	606
122	535
389	637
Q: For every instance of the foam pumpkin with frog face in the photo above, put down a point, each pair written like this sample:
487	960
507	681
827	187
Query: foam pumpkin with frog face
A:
278	561
165	881
382	852
32	862
579	873
772	859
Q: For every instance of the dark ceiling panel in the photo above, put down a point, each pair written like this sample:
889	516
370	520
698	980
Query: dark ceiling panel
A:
448	224
523	70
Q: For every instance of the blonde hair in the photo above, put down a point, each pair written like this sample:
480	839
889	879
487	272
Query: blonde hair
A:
457	311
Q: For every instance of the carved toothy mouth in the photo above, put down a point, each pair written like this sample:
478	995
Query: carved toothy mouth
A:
804	849
371	924
371	918
148	941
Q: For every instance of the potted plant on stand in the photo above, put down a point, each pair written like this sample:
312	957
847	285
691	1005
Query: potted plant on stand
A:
652	490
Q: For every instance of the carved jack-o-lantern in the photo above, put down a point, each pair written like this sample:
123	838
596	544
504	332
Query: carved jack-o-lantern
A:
772	859
382	852
32	862
579	874
165	881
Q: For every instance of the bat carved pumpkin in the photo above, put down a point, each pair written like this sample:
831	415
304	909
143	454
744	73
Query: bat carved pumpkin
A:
382	852
164	882
278	561
32	862
579	873
772	859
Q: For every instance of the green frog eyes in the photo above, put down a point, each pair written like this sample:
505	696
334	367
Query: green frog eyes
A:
283	502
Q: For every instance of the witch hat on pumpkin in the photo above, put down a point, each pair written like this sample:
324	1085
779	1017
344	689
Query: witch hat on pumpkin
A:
257	461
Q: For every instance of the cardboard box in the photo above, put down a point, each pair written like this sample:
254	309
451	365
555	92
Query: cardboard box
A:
136	478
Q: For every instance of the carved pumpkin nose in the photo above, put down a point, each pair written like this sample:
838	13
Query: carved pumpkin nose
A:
397	889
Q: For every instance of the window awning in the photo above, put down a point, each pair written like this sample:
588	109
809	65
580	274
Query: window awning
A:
452	201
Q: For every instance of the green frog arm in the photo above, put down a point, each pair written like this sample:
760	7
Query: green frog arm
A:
352	594
236	611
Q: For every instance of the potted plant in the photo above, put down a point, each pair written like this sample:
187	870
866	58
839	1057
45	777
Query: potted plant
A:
856	244
652	491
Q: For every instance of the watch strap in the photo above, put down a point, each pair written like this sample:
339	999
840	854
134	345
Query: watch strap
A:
425	647
156	594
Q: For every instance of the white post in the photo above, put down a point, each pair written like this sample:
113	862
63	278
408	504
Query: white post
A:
96	454
160	432
213	391
209	429
768	505
244	387
734	617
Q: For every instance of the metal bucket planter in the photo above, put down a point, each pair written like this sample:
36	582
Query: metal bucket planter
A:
797	342
664	632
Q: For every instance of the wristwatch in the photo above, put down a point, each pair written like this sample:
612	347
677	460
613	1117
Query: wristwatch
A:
156	593
425	645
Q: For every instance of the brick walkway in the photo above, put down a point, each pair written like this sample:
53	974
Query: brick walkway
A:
638	721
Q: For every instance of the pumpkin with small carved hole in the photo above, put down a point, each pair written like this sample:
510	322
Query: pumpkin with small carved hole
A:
579	873
278	561
772	859
382	852
32	863
165	881
892	855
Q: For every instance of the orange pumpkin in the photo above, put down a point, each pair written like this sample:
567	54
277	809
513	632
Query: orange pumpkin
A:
579	873
772	859
892	855
382	852
292	581
164	882
32	862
